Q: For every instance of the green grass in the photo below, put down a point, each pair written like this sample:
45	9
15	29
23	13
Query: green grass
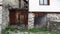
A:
33	30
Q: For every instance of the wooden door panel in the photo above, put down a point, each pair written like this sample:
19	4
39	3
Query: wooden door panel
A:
25	20
16	16
12	17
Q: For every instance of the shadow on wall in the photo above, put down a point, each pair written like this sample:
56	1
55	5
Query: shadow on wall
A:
40	21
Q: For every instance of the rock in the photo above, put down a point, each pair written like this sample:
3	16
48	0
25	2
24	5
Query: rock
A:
21	32
25	32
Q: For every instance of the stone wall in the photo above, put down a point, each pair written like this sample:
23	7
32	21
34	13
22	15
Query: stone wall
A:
0	18
5	14
40	21
53	16
11	3
54	22
30	20
36	22
5	17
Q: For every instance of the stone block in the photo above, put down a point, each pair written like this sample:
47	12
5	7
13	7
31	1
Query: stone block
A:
31	20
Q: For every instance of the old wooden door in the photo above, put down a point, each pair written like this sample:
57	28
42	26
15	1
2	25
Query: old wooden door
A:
12	17
18	18
23	17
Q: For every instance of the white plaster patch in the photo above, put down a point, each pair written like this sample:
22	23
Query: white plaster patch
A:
35	7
